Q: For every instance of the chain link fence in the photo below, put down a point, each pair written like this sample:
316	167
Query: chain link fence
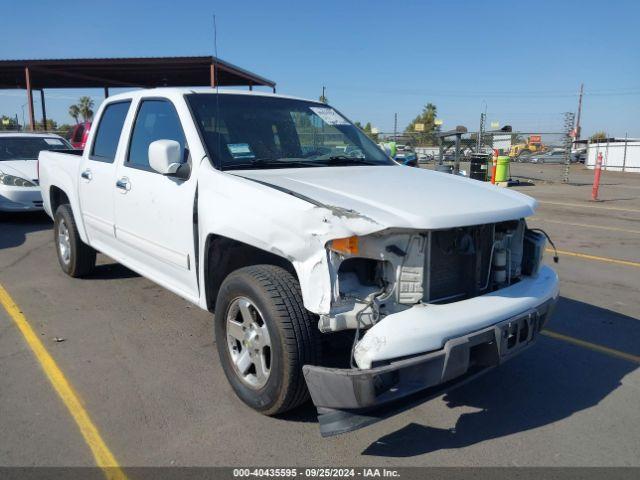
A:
534	155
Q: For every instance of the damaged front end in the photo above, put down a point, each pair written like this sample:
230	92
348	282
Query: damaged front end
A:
428	309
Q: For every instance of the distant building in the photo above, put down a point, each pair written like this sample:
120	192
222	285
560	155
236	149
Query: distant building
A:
618	154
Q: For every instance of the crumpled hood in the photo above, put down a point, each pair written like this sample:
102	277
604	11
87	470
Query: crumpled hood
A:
26	169
398	196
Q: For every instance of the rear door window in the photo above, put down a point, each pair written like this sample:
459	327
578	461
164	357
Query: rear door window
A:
105	142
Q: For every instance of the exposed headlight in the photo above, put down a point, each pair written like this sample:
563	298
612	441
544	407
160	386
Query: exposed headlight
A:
12	181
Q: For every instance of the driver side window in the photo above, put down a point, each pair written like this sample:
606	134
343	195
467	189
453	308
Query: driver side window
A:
156	120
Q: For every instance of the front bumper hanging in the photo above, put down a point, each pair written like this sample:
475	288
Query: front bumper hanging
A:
348	399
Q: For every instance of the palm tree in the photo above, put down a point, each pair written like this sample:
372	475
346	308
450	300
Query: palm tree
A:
85	106
74	111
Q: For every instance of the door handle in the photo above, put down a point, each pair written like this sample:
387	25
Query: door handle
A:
87	175
123	184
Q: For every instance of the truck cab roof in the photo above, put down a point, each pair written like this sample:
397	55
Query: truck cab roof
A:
180	91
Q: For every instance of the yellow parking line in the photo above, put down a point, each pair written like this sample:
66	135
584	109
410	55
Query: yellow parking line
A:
585	225
595	257
591	346
585	205
103	456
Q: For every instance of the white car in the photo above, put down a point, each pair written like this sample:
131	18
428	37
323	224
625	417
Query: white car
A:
247	204
19	190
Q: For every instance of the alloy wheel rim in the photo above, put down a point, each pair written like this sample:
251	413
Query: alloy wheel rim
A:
248	343
64	244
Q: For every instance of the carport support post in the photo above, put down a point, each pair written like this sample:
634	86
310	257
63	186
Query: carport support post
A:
212	74
44	111
32	123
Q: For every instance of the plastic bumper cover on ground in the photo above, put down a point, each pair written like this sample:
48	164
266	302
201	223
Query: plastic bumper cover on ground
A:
342	395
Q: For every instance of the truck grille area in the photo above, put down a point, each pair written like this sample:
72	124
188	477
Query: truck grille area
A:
458	263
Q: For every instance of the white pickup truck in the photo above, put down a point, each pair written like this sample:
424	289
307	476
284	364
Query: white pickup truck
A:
332	270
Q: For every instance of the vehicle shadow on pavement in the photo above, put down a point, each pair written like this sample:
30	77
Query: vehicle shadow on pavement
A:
111	271
548	383
14	227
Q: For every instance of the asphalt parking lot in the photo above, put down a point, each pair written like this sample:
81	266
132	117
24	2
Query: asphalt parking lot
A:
143	363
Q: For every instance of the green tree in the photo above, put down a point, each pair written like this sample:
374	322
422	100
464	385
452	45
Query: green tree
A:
85	107
368	130
427	118
598	136
64	130
51	126
8	123
74	112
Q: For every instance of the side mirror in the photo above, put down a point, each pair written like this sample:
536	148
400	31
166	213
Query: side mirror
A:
164	156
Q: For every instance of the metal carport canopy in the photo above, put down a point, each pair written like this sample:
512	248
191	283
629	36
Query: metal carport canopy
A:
142	72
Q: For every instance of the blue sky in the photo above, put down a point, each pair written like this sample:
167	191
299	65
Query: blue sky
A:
524	61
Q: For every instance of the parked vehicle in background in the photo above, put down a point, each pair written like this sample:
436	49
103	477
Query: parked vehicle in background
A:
19	190
407	157
554	156
579	155
246	204
425	157
79	134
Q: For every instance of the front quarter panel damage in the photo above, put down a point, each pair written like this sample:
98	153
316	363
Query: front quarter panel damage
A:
277	222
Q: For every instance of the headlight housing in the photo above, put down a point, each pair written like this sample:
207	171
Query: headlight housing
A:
349	246
13	181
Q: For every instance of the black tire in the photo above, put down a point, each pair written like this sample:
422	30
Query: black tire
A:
293	332
81	258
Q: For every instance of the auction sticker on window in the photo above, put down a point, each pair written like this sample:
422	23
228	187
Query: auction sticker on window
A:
240	150
53	141
329	115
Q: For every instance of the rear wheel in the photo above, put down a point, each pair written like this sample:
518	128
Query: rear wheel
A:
264	336
76	258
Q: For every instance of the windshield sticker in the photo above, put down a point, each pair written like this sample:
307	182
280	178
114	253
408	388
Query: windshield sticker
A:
240	150
329	115
54	141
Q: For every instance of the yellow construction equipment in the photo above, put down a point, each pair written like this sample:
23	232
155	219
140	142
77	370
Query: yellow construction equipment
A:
532	145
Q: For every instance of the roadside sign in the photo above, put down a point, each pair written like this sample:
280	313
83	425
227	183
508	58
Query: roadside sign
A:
495	125
419	127
437	122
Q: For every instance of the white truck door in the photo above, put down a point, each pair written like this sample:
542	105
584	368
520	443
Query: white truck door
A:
154	213
96	185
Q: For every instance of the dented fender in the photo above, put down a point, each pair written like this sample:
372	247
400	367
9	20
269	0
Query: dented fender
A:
291	227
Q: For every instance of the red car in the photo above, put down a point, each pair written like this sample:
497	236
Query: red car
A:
79	135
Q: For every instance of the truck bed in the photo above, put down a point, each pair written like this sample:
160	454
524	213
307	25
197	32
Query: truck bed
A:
58	169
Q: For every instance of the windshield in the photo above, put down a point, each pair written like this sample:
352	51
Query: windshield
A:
254	131
28	148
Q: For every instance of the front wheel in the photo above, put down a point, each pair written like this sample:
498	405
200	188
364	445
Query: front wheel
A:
264	336
76	258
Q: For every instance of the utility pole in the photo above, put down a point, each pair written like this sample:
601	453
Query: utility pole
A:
579	113
395	127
